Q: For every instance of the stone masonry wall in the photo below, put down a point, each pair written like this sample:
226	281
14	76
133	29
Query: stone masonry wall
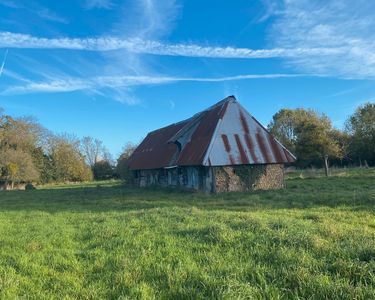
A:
216	179
249	177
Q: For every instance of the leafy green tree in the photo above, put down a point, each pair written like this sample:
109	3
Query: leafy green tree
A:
67	161
122	170
361	127
103	170
343	141
43	163
315	142
307	134
284	125
18	138
30	153
17	166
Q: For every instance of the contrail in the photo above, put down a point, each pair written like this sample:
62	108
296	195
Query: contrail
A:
3	64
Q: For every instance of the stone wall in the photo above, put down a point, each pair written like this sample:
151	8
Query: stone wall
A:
215	179
249	177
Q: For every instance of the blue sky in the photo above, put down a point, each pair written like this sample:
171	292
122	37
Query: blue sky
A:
118	69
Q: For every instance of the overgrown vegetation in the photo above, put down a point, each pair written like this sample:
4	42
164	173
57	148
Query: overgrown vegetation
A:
313	240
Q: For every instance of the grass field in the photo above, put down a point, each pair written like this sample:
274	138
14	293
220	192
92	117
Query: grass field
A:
315	239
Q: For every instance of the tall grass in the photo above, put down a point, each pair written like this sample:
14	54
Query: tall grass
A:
315	239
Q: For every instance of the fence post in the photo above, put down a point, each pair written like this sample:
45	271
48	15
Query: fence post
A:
326	164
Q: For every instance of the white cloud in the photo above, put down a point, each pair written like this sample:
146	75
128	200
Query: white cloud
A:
114	82
139	46
335	24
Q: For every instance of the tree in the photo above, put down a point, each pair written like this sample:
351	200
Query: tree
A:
103	170
343	141
122	169
361	127
29	152
18	139
92	149
17	166
21	133
97	157
67	161
315	141
43	162
307	134
285	122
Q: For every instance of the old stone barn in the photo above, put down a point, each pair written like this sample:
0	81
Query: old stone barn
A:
222	148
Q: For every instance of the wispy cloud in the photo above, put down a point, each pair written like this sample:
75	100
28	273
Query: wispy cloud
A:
338	24
51	72
272	8
3	63
34	8
156	19
101	4
49	15
111	82
139	46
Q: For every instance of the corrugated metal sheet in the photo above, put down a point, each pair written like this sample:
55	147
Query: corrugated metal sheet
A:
155	152
224	134
193	153
241	139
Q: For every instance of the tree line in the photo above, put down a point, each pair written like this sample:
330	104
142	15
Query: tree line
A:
29	153
312	138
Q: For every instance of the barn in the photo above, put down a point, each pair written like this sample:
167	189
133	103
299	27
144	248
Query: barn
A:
220	149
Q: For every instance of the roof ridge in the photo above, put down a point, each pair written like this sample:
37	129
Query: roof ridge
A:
196	117
229	98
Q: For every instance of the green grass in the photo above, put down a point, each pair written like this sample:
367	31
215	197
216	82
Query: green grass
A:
313	240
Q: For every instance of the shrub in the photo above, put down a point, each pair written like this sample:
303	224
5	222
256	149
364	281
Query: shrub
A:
29	186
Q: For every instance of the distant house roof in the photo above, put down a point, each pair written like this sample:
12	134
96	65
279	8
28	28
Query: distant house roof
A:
223	134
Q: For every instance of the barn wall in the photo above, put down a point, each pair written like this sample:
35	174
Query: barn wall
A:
249	177
197	178
216	179
155	177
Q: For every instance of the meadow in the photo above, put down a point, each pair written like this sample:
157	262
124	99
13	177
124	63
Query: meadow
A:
315	239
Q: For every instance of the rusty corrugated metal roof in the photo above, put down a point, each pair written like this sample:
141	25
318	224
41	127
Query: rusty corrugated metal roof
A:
224	134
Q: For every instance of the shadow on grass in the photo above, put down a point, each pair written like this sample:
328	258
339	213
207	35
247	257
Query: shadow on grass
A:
354	193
